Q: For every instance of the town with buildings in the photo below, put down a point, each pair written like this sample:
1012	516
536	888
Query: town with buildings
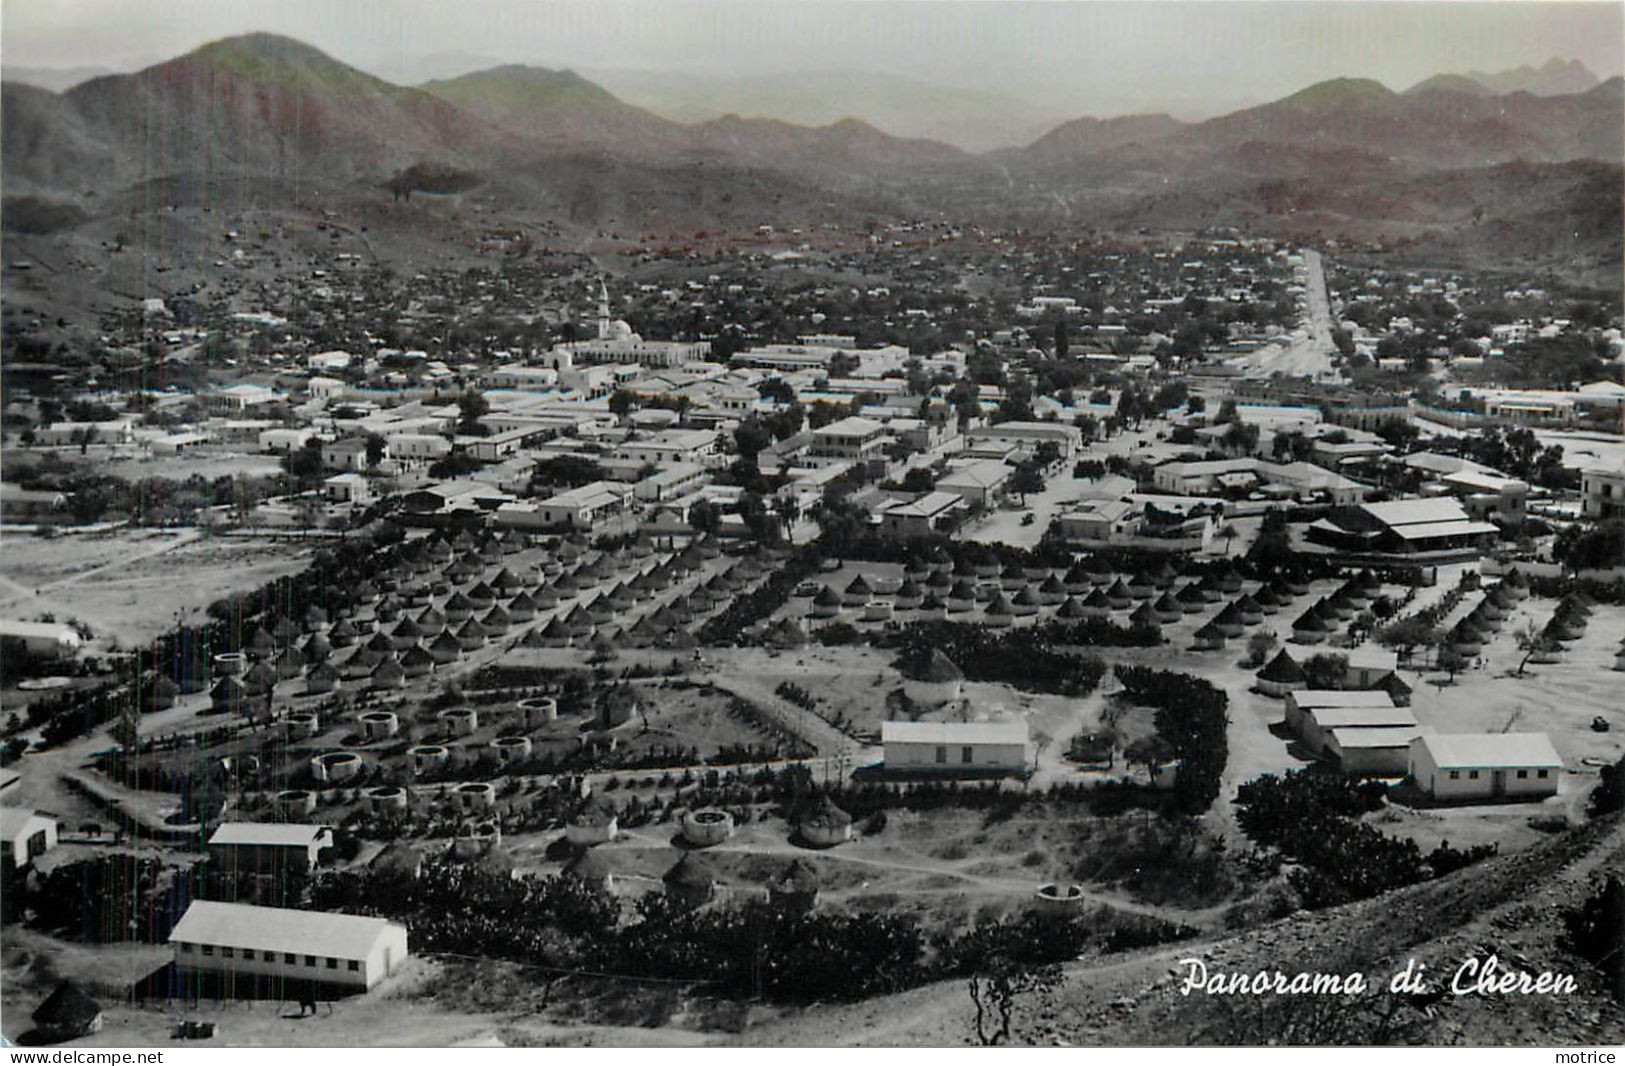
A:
703	631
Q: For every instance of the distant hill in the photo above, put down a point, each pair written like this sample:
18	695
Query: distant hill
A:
269	106
56	79
263	120
1450	83
969	118
1554	78
558	107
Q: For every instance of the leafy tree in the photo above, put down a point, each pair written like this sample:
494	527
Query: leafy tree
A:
622	403
376	446
1596	932
1326	670
1026	480
472	406
1259	645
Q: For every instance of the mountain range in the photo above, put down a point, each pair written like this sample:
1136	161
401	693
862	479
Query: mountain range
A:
268	117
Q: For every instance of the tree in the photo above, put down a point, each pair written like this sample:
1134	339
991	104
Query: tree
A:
1597	932
1451	661
1062	344
1408	634
126	731
1326	670
376	446
918	479
1609	795
1259	645
471	407
621	403
1531	639
1026	479
1229	533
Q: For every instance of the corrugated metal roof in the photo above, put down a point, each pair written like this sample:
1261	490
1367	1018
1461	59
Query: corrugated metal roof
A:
953	732
281	834
1363	717
1413	512
242	925
1487	750
1374	737
1312	698
1425	530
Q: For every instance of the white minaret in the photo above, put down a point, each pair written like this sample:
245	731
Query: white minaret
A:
603	310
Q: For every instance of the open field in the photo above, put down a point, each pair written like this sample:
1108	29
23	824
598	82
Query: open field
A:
129	586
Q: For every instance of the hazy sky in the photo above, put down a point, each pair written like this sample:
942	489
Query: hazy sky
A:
1085	57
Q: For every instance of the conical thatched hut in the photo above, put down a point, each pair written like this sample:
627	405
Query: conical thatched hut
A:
590	868
692	881
935	682
796	889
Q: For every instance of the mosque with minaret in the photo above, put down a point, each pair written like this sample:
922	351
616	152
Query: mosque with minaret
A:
616	343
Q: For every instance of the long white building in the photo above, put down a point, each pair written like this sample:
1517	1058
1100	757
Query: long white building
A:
242	940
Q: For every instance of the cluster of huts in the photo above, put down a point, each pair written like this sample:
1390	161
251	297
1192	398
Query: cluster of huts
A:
449	596
693	879
1006	596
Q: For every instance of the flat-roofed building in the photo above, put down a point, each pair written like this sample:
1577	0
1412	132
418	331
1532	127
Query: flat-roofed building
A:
1602	491
849	440
672	446
1485	766
956	747
245	942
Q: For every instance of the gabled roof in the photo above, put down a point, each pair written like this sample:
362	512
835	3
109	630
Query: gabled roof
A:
242	925
278	834
1489	750
953	732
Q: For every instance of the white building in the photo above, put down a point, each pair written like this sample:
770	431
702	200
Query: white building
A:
671	446
268	847
1485	766
956	747
849	440
578	508
345	950
25	835
349	487
979	484
1603	490
44	638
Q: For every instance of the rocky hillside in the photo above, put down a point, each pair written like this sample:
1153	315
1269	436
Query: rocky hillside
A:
1509	907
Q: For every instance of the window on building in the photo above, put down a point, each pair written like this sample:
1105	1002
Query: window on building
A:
1522	774
332	963
967	754
1541	774
290	958
208	949
1455	775
942	753
310	960
355	966
1472	775
228	953
186	949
